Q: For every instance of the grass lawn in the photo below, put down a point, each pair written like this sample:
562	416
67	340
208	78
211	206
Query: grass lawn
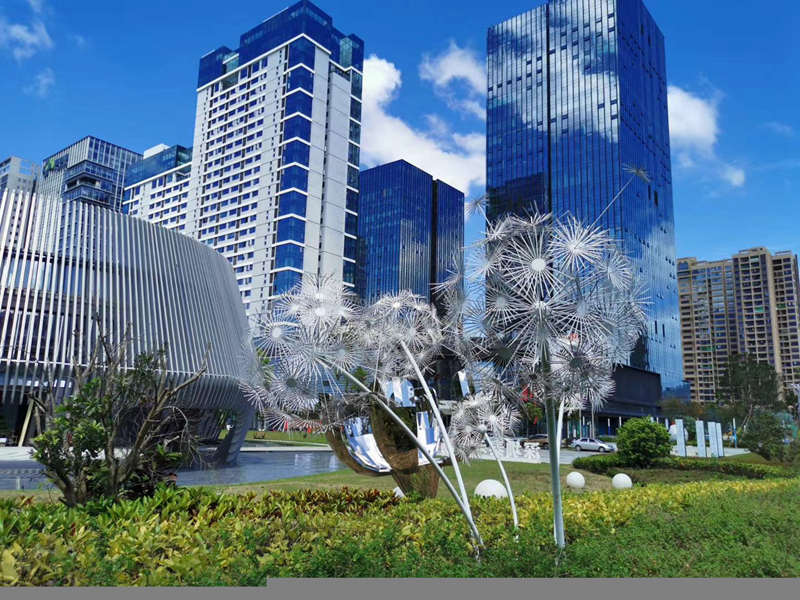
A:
749	457
525	478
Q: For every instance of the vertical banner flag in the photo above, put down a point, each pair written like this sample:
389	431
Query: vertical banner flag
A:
679	431
701	439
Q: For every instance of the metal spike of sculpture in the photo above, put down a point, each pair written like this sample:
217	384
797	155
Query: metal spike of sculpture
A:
553	306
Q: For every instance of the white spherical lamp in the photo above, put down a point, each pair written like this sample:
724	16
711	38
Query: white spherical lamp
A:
576	480
491	488
620	481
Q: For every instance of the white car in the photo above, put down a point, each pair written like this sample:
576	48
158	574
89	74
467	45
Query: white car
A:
591	444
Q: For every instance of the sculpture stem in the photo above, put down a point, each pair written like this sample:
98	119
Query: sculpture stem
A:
467	513
554	441
438	416
505	479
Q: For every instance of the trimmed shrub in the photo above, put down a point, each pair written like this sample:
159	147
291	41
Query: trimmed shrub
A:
640	441
196	536
611	464
764	435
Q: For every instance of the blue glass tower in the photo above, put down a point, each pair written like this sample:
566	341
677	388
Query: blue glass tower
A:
410	231
576	91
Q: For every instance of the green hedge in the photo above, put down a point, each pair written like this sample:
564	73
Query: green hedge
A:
196	536
611	464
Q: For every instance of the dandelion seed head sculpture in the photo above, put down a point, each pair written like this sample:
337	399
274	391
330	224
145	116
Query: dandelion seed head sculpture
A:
553	300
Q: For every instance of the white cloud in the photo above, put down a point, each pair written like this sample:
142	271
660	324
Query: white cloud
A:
79	40
24	40
37	6
692	121
453	66
457	159
694	132
733	175
42	83
780	128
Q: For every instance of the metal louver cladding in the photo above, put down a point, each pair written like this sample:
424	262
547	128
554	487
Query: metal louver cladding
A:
65	263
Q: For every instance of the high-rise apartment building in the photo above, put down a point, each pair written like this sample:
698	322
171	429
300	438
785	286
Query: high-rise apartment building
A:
410	231
747	304
91	170
157	187
577	92
274	179
708	323
18	174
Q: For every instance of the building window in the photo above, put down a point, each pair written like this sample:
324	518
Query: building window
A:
301	51
298	102
292	203
291	229
296	152
289	255
284	281
294	177
301	78
297	127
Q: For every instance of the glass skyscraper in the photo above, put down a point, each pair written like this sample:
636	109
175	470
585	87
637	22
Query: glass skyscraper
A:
410	231
274	179
91	171
577	91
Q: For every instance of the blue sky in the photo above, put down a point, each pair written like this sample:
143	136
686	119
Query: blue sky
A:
126	72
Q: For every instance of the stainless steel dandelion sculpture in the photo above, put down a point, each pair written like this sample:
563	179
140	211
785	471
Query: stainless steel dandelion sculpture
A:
485	418
553	306
314	337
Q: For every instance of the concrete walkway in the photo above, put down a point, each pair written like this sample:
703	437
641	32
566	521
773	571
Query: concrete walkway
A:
15	454
298	448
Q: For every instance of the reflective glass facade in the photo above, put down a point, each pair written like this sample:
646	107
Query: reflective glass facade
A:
303	17
577	91
91	171
410	230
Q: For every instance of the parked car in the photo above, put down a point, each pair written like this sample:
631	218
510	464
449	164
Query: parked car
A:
592	444
543	440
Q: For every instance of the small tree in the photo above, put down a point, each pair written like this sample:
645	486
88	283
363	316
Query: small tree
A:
640	441
84	448
748	386
765	435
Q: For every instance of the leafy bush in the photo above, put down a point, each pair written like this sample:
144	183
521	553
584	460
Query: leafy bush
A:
764	435
119	434
196	536
610	464
640	441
